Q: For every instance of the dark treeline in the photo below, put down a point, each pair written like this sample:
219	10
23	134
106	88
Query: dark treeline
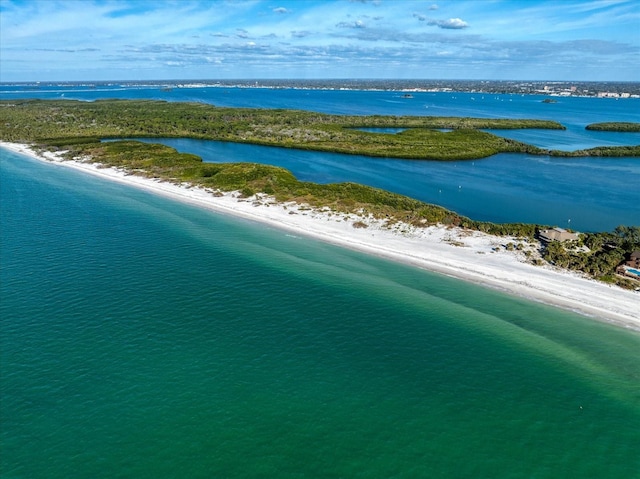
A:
615	126
37	120
605	252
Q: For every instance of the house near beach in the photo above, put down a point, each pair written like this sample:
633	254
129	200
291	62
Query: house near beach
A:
634	260
557	234
631	267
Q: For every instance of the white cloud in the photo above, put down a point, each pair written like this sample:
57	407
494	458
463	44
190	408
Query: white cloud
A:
356	24
451	24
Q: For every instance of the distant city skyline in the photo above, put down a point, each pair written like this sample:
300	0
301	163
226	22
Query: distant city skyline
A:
82	40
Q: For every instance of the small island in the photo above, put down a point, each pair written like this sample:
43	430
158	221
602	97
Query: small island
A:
615	126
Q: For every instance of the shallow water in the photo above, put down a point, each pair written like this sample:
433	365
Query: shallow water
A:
143	337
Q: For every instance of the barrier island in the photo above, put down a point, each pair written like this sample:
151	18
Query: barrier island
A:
76	129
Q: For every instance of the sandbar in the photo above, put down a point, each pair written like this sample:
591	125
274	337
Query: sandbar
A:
464	254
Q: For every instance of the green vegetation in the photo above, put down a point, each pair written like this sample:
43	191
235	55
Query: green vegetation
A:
615	126
603	253
605	151
37	120
60	120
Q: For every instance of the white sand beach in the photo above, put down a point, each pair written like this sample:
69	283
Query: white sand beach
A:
467	255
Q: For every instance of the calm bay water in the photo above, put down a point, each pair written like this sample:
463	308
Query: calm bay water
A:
145	338
141	337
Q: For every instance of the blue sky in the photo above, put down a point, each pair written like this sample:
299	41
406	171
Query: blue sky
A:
43	40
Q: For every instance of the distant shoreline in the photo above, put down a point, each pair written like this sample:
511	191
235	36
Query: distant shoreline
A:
467	255
576	89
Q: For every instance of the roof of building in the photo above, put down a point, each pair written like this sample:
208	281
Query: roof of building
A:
557	234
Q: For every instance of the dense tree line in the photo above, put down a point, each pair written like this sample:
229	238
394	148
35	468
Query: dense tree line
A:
37	120
604	151
605	251
615	126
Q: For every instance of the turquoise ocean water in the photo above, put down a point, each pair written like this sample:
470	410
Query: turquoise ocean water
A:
140	337
146	338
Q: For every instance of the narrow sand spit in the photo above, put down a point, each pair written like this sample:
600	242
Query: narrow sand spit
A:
467	255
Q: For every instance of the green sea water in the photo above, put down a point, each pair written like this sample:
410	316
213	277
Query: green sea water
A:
141	337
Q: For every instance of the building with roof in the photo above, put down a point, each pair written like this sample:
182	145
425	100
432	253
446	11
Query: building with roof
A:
557	234
634	260
631	267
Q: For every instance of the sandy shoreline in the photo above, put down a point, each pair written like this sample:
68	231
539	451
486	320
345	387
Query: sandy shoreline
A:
467	255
